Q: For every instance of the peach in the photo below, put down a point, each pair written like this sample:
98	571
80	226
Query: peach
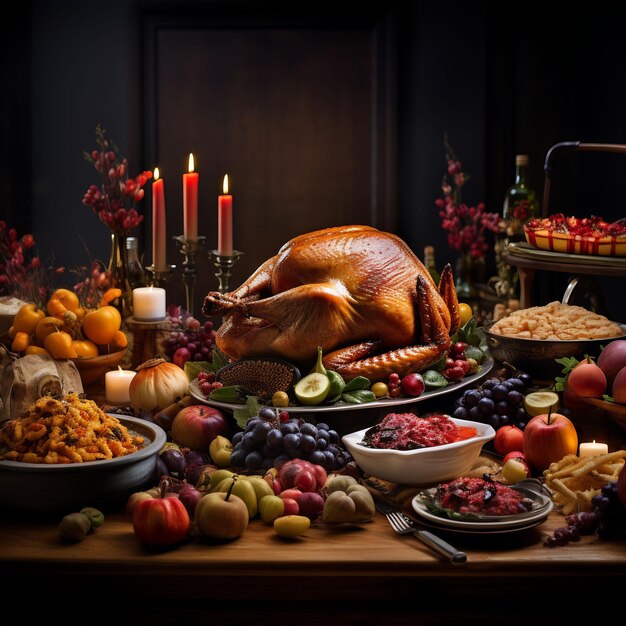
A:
587	380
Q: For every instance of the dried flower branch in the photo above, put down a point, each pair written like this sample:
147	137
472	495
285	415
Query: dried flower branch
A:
115	202
467	226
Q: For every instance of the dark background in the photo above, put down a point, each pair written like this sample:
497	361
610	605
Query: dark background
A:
319	114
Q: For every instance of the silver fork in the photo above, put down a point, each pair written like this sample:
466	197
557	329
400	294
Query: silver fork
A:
404	525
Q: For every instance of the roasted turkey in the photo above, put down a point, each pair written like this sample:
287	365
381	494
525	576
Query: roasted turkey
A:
358	292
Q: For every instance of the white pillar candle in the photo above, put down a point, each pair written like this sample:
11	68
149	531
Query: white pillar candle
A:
148	304
592	449
116	384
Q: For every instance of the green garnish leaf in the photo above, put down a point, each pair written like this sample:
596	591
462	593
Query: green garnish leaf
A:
193	368
356	384
250	409
358	396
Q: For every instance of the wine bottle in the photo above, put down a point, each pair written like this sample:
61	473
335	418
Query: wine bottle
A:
136	274
519	202
519	205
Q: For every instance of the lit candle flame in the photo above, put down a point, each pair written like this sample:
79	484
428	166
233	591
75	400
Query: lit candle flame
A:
191	163
156	173
225	184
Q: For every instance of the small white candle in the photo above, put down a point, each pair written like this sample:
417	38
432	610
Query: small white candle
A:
149	303
116	384
592	449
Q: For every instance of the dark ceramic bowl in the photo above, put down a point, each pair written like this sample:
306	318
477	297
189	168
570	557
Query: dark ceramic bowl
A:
538	357
38	488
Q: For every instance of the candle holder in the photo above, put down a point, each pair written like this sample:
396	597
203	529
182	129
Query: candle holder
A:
189	248
224	264
159	278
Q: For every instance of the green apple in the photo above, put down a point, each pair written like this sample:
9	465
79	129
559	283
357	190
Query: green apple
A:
271	507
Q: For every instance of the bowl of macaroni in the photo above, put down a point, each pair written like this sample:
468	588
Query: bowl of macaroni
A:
64	454
532	339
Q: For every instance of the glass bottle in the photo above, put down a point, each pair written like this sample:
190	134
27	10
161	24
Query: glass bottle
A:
136	273
518	207
519	202
429	263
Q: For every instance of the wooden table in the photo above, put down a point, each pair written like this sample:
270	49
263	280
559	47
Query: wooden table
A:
358	575
336	575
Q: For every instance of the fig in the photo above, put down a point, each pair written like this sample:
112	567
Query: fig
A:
95	517
74	527
175	462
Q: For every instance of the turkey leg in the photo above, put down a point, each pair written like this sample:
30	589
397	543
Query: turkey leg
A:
219	304
355	360
447	291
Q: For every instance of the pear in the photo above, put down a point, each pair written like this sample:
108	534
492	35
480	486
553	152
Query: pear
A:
217	477
261	486
318	368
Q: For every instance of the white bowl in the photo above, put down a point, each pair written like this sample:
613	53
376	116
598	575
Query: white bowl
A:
106	484
424	466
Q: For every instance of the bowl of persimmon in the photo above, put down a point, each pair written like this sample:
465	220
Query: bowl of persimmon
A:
410	450
92	369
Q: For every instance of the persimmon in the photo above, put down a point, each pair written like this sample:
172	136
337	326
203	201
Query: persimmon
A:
47	325
85	348
32	349
101	325
20	342
62	300
27	318
59	345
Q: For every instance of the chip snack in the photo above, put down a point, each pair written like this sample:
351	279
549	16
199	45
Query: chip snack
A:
574	481
69	429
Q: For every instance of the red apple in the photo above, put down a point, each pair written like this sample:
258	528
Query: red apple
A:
413	384
612	359
587	380
508	439
547	439
196	426
160	521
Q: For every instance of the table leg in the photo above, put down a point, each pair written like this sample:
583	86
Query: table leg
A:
526	277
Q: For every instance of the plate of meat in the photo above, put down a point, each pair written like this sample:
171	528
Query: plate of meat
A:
478	504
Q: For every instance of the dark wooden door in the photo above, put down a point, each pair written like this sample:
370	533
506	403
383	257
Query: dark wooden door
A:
300	115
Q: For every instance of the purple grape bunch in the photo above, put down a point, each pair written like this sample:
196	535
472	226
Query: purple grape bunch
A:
190	339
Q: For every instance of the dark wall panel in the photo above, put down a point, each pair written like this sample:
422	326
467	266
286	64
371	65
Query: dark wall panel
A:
291	114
